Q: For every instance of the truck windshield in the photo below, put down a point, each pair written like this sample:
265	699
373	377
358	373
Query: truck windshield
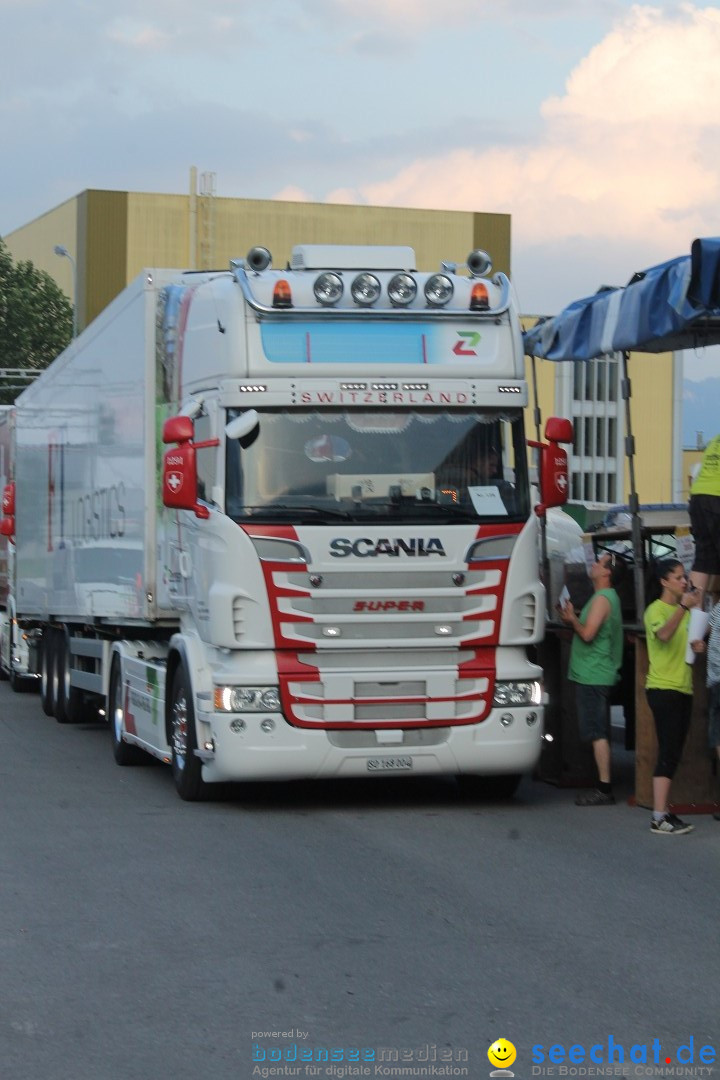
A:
458	465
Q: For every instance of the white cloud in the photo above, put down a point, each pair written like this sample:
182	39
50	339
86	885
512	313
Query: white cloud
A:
293	194
628	156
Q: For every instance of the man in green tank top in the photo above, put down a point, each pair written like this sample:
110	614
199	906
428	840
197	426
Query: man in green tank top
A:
595	660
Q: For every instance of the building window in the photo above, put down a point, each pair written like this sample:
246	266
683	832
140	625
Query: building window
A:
591	401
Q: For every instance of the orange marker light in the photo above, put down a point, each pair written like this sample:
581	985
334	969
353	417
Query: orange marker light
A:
479	300
282	295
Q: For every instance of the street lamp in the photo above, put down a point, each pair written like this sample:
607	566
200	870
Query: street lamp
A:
59	249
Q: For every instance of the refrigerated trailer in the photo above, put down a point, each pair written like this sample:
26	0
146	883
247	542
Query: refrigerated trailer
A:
278	523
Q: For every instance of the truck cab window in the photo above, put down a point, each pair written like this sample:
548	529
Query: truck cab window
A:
206	459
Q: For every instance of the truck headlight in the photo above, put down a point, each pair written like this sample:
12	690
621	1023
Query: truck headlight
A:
517	693
247	699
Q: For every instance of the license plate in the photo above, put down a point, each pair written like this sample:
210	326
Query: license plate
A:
389	764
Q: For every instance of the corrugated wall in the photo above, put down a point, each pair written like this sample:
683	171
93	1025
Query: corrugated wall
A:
103	242
37	240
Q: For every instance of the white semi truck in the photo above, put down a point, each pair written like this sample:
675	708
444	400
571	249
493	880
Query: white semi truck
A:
278	523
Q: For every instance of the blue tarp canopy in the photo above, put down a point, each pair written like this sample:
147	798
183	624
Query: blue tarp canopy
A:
675	305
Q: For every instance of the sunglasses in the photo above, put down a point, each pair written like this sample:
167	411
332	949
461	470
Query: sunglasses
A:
611	556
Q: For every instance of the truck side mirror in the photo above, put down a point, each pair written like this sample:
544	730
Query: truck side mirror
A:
178	429
554	482
8	499
180	480
7	523
553	476
179	484
559	430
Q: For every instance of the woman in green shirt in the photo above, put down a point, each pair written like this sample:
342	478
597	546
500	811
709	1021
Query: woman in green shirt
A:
668	686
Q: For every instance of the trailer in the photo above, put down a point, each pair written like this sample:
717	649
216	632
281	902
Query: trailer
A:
278	523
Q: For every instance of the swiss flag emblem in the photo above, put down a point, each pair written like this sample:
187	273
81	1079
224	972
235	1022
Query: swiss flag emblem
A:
174	481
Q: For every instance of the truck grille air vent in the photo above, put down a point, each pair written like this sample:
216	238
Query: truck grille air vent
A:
528	615
238	618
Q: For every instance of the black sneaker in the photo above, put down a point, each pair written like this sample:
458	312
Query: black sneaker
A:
670	825
596	798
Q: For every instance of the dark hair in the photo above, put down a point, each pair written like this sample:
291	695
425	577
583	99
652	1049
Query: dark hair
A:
664	568
659	570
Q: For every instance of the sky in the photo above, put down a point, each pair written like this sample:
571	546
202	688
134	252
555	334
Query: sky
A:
593	123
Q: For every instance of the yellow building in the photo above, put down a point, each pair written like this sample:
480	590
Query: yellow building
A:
111	235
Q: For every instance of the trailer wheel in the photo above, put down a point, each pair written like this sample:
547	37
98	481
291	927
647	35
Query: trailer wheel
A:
70	705
186	765
5	641
46	672
123	753
59	676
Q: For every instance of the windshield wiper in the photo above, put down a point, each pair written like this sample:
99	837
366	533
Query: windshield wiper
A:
299	511
412	507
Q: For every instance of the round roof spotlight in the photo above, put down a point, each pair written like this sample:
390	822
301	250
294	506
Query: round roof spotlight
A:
479	263
328	289
438	290
402	289
259	259
365	289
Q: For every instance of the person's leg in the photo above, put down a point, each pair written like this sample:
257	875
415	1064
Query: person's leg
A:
661	793
704	523
593	711
699	581
713	705
601	752
671	713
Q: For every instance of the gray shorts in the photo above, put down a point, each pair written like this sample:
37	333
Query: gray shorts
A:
593	711
713	707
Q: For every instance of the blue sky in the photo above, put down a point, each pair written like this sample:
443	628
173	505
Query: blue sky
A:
594	123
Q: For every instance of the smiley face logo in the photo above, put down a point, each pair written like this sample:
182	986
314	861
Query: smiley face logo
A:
502	1053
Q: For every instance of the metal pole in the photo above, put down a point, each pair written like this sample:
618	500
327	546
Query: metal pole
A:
59	249
544	561
635	522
